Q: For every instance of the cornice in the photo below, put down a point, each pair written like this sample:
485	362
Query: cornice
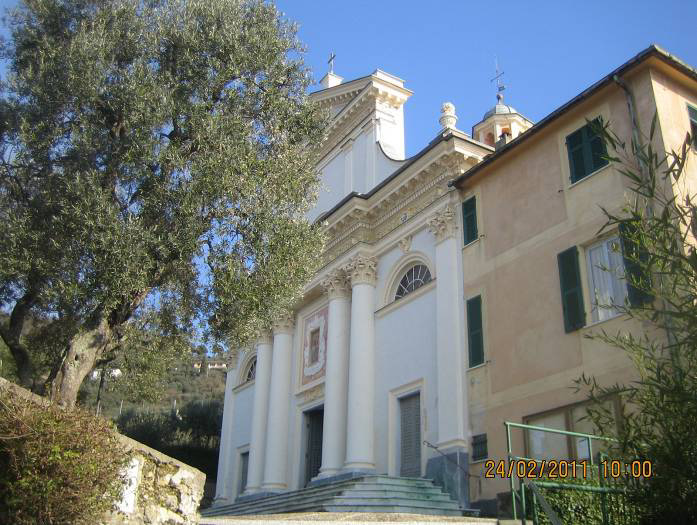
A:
370	222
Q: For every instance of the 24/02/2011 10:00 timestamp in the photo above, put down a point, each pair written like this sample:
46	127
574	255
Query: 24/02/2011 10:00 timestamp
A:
554	468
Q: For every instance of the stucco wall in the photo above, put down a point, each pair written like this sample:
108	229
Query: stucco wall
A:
528	213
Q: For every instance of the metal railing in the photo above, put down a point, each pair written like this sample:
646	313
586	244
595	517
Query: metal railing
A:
536	496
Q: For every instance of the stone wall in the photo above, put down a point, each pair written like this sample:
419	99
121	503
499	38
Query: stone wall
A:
160	490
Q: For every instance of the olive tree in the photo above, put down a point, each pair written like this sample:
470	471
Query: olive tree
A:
157	160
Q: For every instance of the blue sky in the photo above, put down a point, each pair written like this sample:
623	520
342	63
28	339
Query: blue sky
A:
549	51
445	51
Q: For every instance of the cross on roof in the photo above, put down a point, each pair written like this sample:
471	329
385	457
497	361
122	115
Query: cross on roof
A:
499	85
332	56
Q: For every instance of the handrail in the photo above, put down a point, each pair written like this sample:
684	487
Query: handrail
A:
520	497
456	463
557	431
551	515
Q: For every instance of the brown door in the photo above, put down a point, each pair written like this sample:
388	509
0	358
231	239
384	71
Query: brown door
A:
313	452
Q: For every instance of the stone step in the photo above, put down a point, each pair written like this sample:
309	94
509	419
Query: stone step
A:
371	493
384	493
402	509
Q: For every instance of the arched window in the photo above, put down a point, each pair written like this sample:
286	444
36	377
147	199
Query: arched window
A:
415	277
251	372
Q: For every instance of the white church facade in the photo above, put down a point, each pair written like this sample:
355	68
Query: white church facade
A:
437	313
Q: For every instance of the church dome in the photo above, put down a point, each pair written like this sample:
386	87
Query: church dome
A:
500	108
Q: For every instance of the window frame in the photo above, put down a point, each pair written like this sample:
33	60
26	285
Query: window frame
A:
482	441
586	149
590	280
404	274
567	411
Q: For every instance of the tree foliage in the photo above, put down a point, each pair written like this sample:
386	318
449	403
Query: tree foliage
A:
157	160
659	226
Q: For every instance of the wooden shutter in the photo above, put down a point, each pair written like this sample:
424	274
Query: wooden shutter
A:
571	292
636	273
469	220
410	423
692	112
574	146
475	336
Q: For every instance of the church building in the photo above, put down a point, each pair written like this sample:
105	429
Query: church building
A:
456	290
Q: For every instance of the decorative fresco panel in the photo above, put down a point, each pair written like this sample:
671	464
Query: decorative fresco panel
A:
315	346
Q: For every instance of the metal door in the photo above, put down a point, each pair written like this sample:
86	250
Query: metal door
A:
313	452
410	432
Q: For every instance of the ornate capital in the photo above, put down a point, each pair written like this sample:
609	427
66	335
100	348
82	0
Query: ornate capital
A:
362	269
264	338
337	284
443	224
284	324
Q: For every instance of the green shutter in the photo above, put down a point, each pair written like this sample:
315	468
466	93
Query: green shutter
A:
469	220
692	112
586	151
475	336
636	259
571	292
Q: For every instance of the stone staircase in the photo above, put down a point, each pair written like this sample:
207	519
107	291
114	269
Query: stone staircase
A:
361	494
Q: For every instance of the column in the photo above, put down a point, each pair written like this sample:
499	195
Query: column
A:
276	461
257	444
224	493
360	454
336	375
449	347
452	396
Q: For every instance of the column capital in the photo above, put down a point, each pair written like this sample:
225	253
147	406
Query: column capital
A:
265	337
337	284
362	269
442	224
284	324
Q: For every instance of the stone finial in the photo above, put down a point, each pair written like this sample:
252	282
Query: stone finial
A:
362	269
442	224
448	118
337	284
284	324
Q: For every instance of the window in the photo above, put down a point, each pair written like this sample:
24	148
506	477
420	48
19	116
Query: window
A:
479	447
469	220
251	371
574	418
692	113
586	151
414	278
475	337
571	291
314	346
606	282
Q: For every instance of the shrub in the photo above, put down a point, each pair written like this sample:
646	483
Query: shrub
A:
56	466
576	506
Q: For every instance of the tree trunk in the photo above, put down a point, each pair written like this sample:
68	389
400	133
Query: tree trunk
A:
83	350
